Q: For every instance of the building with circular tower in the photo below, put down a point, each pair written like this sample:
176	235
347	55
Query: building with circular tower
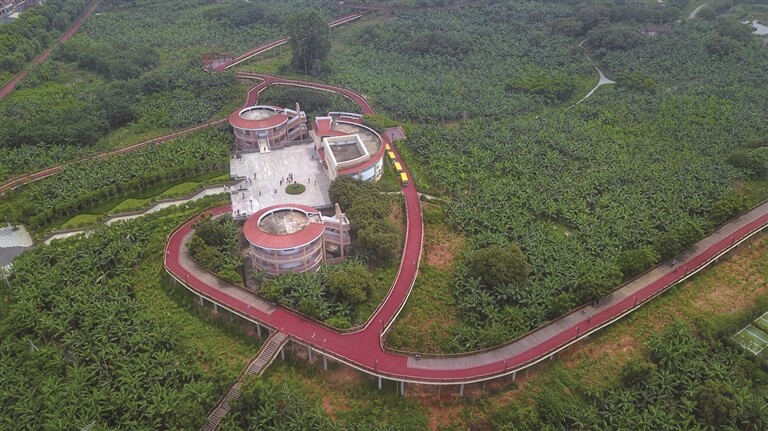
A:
264	128
348	148
295	238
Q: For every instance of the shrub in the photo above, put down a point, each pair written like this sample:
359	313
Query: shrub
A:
295	189
497	265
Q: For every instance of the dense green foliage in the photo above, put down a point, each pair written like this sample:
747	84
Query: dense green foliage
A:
134	63
310	41
78	348
84	184
650	164
375	235
214	246
477	53
34	31
284	400
496	265
683	383
269	406
331	294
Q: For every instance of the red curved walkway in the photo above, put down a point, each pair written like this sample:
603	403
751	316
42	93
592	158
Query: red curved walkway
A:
275	43
363	349
267	80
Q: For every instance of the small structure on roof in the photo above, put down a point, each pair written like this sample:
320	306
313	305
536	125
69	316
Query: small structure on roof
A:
343	152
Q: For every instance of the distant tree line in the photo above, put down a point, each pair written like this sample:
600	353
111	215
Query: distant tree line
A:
172	96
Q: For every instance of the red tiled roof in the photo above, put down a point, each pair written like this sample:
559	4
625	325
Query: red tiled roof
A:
267	123
258	237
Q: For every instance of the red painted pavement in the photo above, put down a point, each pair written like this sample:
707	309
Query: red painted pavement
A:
363	349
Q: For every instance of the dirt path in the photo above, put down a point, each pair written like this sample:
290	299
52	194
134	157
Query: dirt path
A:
696	11
603	80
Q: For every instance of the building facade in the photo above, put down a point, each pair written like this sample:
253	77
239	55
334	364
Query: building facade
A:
265	128
295	238
348	148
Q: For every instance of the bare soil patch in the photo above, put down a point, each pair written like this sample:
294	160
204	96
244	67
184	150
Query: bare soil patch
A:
441	246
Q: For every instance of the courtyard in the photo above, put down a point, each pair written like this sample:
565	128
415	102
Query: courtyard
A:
263	177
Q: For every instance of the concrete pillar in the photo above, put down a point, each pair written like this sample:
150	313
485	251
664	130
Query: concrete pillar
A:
552	356
282	353
325	363
201	301
402	388
461	390
514	376
379	382
309	352
258	330
215	308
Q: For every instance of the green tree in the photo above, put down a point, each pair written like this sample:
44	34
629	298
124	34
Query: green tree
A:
718	403
637	372
678	239
633	262
351	281
496	265
753	160
721	46
730	205
310	41
637	80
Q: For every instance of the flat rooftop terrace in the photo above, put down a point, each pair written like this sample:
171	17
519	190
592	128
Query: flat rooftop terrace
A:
284	222
370	140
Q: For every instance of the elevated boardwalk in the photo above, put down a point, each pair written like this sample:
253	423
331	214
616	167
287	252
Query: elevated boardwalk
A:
275	43
256	367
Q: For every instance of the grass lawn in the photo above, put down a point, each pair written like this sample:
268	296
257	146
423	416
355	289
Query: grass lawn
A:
81	220
426	323
140	200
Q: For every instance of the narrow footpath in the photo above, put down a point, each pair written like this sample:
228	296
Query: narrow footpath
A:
44	56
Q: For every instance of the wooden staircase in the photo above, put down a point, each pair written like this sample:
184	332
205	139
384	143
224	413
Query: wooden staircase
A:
256	367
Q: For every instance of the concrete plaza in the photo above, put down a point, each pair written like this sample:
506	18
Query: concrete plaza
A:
263	178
